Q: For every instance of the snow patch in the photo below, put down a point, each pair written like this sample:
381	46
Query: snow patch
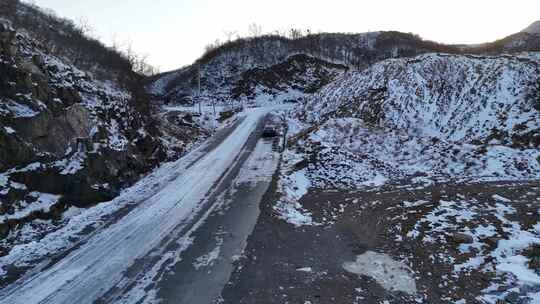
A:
209	258
260	166
41	202
501	198
390	274
9	130
293	186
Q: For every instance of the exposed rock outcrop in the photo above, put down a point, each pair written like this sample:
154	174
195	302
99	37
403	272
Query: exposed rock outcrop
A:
68	135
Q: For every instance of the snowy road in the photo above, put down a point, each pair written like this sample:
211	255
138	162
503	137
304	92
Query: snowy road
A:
166	247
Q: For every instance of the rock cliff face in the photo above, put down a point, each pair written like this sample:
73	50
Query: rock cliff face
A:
66	137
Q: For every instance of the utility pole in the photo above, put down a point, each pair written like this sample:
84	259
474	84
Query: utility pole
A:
199	90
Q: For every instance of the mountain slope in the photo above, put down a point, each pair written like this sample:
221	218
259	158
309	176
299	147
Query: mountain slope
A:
69	136
433	161
445	96
298	75
534	28
222	68
447	116
56	121
519	42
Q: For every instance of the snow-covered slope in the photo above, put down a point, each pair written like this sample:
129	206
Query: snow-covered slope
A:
450	97
440	115
286	81
223	68
463	134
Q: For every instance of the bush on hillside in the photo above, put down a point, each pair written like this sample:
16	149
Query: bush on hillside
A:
71	40
8	7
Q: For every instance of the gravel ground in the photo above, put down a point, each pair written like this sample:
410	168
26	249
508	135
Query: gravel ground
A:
287	264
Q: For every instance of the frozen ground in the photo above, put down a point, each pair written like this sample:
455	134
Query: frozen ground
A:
441	243
461	217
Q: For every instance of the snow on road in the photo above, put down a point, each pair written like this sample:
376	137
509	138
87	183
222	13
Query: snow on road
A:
98	265
260	166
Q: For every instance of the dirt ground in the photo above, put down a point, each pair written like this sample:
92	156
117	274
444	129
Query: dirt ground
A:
287	264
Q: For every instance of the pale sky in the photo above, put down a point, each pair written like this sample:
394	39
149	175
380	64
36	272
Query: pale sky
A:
174	32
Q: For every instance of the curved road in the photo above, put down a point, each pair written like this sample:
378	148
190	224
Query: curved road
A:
175	247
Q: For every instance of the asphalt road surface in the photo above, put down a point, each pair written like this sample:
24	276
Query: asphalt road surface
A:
177	246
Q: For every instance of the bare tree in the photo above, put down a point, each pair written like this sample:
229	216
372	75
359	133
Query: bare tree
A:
212	46
143	67
230	34
130	53
116	44
8	8
295	33
254	30
84	27
208	48
139	63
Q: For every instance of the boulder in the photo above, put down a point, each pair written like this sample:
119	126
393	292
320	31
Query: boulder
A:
7	35
30	67
68	95
55	134
13	150
460	238
301	164
493	241
79	120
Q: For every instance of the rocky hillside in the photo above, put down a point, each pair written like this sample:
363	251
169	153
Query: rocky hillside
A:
525	41
520	42
447	96
534	28
225	69
433	161
437	115
68	136
287	81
